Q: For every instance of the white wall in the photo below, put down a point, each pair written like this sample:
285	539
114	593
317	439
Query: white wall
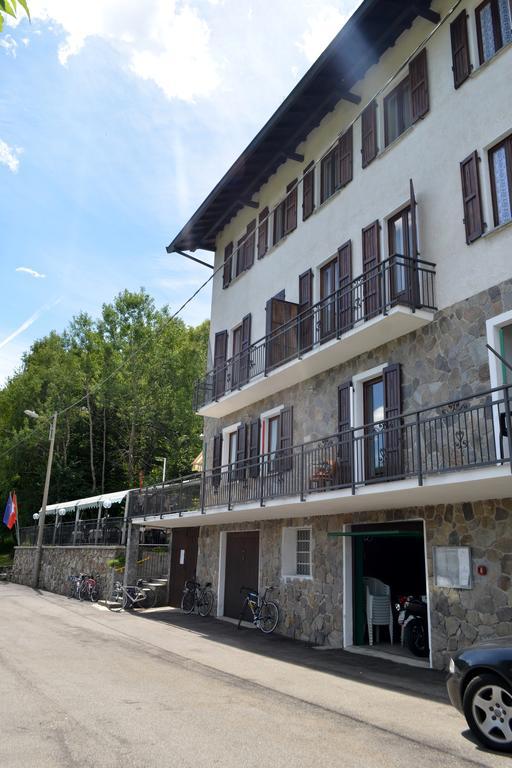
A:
459	121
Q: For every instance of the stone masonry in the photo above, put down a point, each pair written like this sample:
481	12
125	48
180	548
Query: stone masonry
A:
444	360
59	563
311	608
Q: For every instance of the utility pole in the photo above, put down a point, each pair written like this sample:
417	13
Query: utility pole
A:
42	514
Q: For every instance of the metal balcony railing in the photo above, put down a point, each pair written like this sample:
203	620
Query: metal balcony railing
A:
458	435
84	532
397	281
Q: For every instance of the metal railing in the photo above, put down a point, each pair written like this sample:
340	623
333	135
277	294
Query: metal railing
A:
462	434
397	281
153	562
84	532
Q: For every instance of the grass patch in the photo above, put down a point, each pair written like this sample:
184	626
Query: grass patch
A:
5	560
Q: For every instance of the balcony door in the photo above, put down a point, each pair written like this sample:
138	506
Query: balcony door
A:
282	332
235	361
382	408
403	253
373	409
328	286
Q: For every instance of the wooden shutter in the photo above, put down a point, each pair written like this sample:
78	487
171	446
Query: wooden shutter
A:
241	451
254	448
369	147
217	460
418	77
471	198
249	244
240	256
308	193
228	258
306	317
345	297
286	439
263	233
460	49
392	422
345	442
219	363
345	157
371	277
245	355
290	216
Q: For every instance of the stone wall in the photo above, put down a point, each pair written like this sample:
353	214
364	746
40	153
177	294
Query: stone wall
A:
311	609
59	563
444	360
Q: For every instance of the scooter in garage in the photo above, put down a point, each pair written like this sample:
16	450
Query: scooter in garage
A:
412	618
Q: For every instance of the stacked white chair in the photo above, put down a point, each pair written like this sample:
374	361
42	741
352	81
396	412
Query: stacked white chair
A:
378	607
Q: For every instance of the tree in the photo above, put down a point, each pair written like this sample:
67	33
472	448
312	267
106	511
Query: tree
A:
9	8
131	375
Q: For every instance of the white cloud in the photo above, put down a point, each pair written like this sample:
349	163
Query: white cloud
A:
9	156
321	29
9	44
29	271
165	41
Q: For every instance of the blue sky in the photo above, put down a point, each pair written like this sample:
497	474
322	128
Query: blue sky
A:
116	119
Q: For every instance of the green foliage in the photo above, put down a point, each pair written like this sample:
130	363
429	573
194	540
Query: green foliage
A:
9	7
117	562
142	410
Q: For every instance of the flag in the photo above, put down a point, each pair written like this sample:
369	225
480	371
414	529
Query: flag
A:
11	511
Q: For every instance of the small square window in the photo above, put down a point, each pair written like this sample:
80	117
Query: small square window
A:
296	555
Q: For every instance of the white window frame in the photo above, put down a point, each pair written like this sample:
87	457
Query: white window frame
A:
357	409
493	326
289	552
226	432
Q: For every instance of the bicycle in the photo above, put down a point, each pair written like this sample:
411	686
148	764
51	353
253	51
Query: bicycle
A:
265	613
89	589
76	585
138	596
194	595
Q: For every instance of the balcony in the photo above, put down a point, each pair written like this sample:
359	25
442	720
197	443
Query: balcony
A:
455	451
388	301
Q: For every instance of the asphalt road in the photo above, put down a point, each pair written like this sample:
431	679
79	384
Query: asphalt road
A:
80	686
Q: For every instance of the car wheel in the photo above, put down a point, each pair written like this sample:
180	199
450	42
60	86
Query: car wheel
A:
488	709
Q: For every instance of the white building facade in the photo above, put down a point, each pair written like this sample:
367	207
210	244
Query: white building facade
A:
357	427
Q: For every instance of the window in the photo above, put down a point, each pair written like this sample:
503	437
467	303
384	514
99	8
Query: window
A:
285	214
227	272
401	244
336	166
296	552
245	249
308	192
369	146
232	449
500	161
273	437
494	27
328	285
397	111
277	439
409	101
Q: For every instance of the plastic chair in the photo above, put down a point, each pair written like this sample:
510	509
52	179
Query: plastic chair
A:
378	607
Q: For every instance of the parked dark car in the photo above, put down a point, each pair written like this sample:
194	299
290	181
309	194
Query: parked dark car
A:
480	686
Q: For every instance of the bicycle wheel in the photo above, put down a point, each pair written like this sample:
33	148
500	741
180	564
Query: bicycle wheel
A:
83	591
149	598
206	603
243	612
72	588
268	618
188	601
93	592
116	601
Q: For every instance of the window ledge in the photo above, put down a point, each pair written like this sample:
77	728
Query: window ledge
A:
481	67
295	577
398	139
499	228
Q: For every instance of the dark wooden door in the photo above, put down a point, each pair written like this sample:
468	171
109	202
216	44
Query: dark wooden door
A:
242	568
328	285
183	561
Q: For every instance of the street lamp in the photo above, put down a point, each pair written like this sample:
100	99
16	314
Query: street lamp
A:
42	513
164	460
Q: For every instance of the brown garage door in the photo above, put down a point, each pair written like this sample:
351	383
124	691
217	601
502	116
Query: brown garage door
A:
183	561
242	566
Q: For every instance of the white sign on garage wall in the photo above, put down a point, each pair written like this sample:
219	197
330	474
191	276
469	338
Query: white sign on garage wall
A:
452	567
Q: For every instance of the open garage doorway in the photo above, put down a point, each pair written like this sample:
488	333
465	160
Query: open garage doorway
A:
386	561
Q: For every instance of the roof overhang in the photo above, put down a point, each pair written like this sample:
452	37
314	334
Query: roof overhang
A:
370	31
